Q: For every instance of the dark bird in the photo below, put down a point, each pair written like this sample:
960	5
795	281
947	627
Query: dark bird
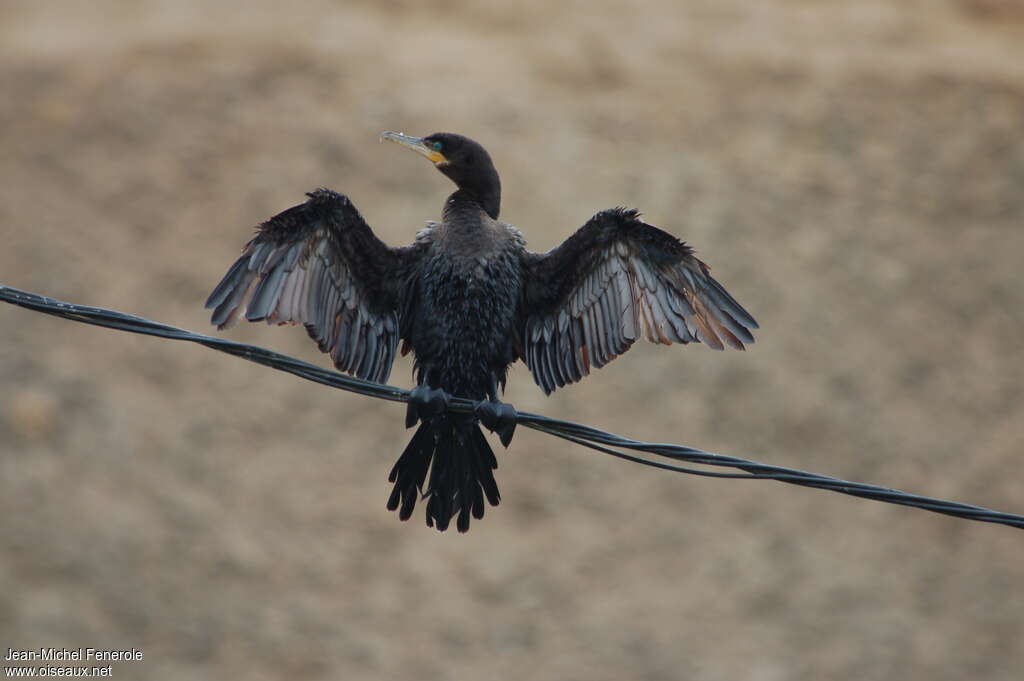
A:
469	299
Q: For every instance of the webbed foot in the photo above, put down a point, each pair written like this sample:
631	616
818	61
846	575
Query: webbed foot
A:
497	417
425	402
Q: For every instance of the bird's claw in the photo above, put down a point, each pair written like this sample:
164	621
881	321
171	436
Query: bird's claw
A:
424	403
498	417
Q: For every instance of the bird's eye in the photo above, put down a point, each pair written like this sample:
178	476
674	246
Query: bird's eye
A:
436	146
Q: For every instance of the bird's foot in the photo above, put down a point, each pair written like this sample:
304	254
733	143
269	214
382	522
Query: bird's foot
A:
425	402
497	417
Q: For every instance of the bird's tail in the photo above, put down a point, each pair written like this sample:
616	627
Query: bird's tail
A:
461	465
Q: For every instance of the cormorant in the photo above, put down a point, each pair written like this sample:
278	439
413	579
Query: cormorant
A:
469	299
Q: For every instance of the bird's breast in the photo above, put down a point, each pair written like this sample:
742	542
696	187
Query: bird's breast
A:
465	312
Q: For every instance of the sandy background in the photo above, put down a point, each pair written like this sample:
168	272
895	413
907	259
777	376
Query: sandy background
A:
854	171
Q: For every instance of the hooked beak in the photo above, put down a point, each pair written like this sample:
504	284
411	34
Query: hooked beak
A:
416	144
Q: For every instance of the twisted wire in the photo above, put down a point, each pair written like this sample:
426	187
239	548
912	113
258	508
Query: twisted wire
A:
587	436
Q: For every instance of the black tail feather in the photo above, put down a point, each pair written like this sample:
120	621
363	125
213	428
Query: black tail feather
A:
410	471
461	465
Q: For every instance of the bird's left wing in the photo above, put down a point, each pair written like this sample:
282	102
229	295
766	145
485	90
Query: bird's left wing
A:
617	279
319	264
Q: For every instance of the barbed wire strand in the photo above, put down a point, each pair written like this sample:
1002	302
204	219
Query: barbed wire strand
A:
587	436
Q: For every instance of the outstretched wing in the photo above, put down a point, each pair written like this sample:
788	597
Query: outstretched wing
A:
615	279
319	264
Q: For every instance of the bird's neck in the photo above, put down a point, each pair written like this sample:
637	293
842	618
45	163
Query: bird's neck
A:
483	194
462	210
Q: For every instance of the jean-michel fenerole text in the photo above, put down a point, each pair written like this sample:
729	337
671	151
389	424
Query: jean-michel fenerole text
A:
67	654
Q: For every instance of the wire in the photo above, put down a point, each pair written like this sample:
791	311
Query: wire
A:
599	440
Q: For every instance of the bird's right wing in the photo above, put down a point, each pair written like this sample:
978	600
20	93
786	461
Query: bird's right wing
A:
319	264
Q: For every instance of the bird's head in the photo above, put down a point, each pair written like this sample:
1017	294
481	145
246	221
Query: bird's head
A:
463	160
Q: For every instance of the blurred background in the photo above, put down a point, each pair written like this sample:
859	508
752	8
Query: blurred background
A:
854	172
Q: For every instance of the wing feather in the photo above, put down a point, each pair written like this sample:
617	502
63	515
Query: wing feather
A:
319	264
616	280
